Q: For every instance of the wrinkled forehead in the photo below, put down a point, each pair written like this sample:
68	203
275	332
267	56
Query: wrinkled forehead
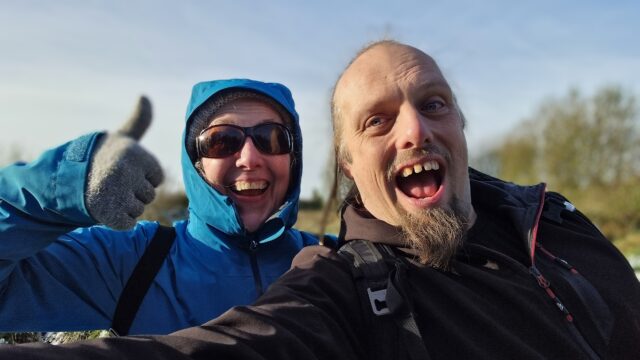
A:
245	112
386	73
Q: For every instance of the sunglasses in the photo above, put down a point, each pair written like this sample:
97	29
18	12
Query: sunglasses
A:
219	141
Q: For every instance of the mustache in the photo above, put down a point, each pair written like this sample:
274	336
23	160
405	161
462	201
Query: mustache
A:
414	153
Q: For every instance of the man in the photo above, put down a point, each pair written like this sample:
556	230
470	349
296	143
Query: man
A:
476	264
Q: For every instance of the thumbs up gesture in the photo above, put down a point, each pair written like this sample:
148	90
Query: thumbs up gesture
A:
122	175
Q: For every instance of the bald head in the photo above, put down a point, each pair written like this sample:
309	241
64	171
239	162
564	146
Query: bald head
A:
380	63
375	61
395	117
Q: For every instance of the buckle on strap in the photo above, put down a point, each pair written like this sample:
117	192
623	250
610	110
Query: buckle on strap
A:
378	301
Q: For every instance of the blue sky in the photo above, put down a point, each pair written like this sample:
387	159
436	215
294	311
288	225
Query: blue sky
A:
71	67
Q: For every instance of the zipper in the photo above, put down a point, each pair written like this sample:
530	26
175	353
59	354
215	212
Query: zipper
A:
253	256
562	262
533	234
546	285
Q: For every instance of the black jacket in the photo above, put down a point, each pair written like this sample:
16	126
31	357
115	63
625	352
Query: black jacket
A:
494	304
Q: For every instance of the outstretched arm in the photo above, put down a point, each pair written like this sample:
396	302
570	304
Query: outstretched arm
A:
312	312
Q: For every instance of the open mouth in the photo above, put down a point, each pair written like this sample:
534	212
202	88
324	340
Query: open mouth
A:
420	181
249	188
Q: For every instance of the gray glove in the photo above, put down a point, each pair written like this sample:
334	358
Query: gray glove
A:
122	175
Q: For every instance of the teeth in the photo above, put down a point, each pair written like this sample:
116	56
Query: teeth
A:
250	185
418	168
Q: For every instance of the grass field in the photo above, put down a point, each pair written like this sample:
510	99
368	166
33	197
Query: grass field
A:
630	247
630	244
309	220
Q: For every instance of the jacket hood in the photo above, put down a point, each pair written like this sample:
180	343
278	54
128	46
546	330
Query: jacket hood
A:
210	212
520	204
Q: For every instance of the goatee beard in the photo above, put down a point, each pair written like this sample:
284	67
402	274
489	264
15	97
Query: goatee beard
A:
435	234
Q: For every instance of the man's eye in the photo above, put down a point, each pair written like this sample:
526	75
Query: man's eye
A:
433	106
374	121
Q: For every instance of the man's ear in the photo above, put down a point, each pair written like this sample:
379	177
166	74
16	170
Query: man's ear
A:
346	169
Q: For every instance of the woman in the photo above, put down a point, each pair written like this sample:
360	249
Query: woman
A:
242	165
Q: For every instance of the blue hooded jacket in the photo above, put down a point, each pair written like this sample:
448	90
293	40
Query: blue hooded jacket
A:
60	273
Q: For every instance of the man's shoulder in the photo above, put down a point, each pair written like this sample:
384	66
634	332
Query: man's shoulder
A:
311	255
309	239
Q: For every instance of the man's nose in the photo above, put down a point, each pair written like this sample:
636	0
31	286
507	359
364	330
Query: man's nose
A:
413	128
249	156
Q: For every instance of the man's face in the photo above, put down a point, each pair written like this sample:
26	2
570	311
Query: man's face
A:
256	182
403	134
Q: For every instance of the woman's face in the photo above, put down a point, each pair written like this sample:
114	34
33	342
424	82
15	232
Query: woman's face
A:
256	182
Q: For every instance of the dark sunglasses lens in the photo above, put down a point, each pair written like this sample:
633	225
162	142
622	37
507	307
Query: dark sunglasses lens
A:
221	141
272	139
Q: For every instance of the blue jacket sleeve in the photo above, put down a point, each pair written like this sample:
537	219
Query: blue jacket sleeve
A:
42	200
53	278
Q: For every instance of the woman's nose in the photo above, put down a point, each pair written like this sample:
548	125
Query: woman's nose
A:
249	156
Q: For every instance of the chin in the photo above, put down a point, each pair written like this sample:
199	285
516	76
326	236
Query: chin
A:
253	222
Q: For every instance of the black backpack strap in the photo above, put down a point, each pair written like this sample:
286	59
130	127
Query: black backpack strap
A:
384	300
141	279
400	306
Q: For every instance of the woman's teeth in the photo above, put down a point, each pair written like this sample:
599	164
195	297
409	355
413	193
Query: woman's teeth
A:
249	185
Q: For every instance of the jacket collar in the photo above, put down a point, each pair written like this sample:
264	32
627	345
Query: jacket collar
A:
358	223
